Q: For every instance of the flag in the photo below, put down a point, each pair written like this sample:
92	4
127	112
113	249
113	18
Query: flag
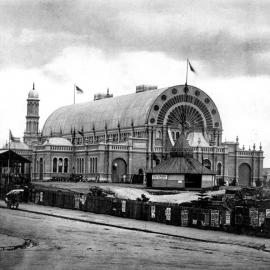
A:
191	67
78	89
11	137
81	132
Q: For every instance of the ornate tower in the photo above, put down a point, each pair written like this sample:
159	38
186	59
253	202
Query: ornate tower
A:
32	118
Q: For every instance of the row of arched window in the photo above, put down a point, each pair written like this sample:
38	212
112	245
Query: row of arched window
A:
80	165
60	165
93	164
92	168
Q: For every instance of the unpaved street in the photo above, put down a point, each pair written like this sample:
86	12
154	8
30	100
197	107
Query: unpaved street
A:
65	244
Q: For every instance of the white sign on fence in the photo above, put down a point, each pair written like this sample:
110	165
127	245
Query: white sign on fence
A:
153	211
124	206
168	213
159	176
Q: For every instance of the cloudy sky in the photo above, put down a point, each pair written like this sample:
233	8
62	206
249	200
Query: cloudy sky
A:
120	44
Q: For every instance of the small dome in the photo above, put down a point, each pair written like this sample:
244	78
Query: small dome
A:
33	94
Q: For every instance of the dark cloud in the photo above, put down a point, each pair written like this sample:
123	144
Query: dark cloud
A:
229	37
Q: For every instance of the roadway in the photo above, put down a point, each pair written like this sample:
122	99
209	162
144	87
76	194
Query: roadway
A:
61	243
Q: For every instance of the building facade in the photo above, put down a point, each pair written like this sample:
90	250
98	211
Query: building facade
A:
115	139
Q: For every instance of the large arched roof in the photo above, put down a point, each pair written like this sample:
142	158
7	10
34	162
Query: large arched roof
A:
152	107
122	110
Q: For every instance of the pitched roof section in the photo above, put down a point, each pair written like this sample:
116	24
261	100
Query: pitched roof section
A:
110	111
181	165
6	155
182	148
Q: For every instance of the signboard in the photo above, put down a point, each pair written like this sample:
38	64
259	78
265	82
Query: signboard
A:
124	206
41	196
254	217
153	211
83	199
261	218
184	218
168	213
228	218
159	177
214	218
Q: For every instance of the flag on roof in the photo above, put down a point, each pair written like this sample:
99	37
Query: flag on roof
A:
78	89
191	67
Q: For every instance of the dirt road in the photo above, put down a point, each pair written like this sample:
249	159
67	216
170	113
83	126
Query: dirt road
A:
67	244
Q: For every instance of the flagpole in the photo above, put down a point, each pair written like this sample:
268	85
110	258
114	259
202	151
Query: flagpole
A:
187	72
9	156
74	95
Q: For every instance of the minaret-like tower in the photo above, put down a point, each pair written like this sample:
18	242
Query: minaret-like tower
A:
32	118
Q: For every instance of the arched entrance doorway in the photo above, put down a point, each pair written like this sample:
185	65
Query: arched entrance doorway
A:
244	174
119	170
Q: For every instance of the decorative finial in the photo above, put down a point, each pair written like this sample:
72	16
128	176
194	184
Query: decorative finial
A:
243	147
108	90
33	86
260	146
254	146
199	141
186	88
249	148
237	139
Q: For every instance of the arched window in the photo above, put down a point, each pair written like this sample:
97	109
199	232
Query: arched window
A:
173	135
177	135
60	165
95	165
219	168
207	163
65	165
82	168
55	165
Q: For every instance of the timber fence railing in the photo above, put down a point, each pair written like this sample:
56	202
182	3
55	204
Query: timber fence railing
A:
253	219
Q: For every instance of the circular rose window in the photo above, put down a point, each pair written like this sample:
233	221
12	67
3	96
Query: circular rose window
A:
163	97
197	93
174	91
207	100
152	120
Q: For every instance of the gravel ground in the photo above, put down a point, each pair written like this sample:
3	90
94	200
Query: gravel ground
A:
67	244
